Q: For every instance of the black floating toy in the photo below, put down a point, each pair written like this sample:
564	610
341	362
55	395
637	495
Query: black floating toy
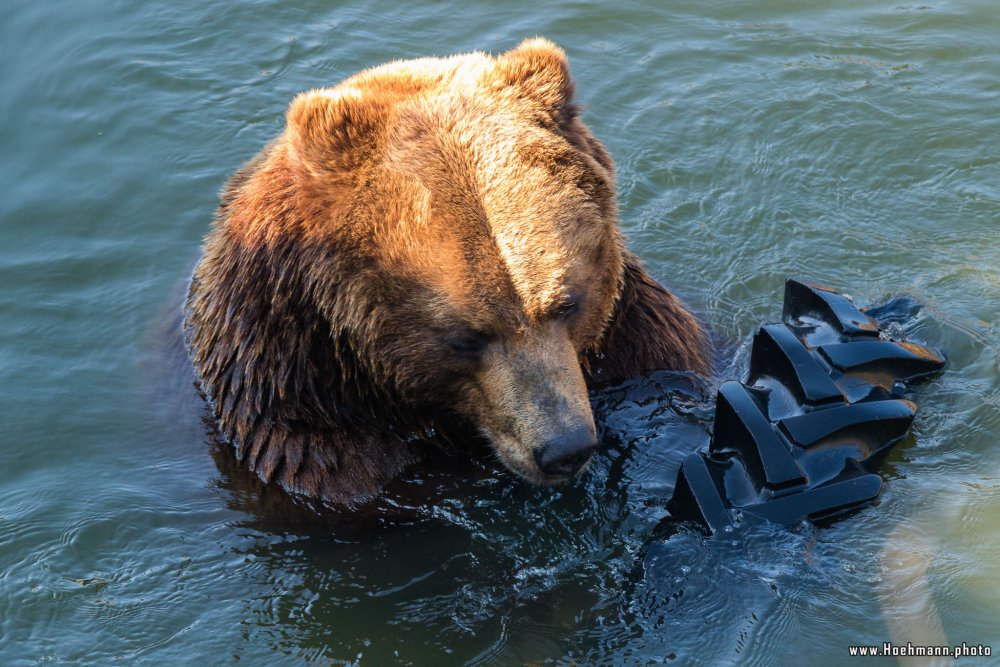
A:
821	402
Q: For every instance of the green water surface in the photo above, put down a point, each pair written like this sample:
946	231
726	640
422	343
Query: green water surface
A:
853	143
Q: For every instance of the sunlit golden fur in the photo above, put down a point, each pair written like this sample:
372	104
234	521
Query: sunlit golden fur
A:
430	243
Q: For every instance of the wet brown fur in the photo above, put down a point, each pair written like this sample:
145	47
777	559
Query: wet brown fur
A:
411	209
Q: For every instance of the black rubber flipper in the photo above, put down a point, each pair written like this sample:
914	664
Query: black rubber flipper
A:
874	422
806	299
788	459
742	427
884	357
696	496
820	501
778	353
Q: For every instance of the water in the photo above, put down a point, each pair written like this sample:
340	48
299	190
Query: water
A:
854	144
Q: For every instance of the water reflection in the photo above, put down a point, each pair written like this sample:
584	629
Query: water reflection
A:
467	563
462	562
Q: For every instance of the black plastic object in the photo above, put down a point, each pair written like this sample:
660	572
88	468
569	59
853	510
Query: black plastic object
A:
822	400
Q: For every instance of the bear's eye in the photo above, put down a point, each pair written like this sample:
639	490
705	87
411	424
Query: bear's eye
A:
468	345
566	309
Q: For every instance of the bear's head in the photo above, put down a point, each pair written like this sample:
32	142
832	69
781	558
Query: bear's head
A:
430	241
477	216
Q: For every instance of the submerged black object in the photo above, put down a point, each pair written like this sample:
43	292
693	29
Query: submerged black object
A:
821	402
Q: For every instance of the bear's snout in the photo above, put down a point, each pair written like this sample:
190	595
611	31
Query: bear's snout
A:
532	404
566	454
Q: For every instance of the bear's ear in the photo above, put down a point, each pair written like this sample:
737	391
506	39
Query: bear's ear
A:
334	129
538	70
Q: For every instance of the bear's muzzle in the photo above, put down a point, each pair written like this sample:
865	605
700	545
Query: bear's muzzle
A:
533	404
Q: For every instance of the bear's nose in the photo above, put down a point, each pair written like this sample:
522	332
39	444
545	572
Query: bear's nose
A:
565	455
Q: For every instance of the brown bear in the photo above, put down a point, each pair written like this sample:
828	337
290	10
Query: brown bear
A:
430	247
